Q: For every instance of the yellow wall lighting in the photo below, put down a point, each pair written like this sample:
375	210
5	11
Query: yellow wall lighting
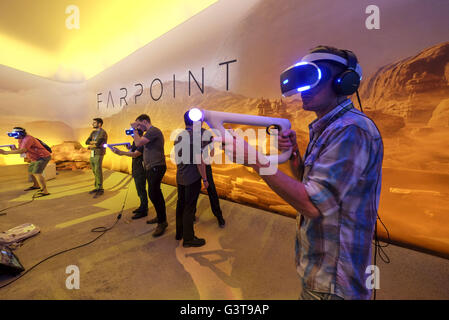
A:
40	36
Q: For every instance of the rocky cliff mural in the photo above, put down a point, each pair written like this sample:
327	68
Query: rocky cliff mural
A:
405	90
407	101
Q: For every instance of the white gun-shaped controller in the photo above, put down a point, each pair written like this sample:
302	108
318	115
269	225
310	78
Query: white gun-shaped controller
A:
11	146
127	144
215	120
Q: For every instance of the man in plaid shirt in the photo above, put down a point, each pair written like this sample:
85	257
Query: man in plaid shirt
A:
337	184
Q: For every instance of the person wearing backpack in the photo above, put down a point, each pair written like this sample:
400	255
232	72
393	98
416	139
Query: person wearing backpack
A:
38	155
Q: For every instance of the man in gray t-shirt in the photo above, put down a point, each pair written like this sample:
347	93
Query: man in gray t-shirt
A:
190	170
153	152
155	167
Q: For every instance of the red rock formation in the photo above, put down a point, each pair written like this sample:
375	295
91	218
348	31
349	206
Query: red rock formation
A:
70	155
440	116
411	88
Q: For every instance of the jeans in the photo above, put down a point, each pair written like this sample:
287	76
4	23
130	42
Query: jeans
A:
212	192
185	209
96	162
154	178
141	186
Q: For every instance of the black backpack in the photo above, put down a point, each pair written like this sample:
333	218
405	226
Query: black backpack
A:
45	145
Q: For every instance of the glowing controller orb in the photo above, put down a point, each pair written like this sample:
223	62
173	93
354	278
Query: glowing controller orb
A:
195	114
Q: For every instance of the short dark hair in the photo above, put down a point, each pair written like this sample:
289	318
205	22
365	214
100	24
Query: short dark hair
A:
187	119
143	117
329	49
21	129
99	120
334	51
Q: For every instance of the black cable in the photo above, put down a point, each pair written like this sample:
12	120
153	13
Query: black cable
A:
375	254
21	204
360	104
103	230
382	254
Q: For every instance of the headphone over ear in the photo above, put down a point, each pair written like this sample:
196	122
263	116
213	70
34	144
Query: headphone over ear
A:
347	82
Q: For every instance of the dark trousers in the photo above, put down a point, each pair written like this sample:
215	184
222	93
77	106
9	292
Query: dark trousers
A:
212	192
140	180
213	195
185	209
154	178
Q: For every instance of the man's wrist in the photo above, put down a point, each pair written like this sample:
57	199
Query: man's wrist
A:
258	165
295	153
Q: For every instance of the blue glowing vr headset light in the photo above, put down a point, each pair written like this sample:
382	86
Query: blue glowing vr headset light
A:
16	133
131	131
13	134
303	89
300	77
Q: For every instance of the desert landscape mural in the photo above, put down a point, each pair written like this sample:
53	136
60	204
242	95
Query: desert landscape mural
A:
405	90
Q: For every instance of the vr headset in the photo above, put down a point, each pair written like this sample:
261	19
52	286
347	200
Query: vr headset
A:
17	133
306	74
130	132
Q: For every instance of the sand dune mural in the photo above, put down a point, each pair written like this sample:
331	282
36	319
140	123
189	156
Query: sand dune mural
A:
405	90
416	163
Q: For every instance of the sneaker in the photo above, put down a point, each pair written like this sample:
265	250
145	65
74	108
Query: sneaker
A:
100	192
221	222
160	229
93	191
152	221
195	242
139	215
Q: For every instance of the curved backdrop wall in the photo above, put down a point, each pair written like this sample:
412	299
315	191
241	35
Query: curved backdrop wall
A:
229	57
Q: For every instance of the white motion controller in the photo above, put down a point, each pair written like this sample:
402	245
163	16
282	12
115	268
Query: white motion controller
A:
216	119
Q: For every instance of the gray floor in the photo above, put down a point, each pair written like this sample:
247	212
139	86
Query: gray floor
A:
252	258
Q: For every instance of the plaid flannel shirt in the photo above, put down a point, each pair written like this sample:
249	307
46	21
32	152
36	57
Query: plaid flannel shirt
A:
342	176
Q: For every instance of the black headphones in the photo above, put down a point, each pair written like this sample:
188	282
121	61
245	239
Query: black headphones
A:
347	82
